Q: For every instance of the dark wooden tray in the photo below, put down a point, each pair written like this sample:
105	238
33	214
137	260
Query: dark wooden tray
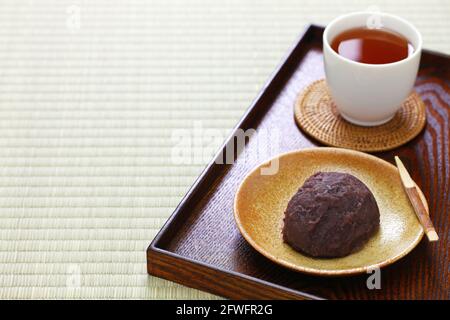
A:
201	247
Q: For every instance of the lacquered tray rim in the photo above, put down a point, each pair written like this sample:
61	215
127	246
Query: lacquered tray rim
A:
232	273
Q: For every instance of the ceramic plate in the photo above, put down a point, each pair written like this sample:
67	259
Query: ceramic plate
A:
261	200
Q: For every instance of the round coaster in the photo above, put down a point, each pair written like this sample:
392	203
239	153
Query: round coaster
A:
316	114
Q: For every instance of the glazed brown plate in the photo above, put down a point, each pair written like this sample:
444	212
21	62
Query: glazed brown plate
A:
262	198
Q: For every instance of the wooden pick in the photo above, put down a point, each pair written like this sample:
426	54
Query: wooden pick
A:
416	201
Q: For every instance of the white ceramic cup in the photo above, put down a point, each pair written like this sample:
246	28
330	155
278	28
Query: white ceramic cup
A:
370	94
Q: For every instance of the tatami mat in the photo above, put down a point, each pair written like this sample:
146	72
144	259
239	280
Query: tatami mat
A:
90	95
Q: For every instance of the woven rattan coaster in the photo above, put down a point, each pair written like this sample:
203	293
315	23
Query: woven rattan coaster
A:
317	115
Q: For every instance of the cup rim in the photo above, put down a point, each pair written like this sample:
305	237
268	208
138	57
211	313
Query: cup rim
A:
416	52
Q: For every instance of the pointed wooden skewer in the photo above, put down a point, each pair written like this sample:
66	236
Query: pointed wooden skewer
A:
416	201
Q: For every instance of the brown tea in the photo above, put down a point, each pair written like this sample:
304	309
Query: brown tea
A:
372	46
